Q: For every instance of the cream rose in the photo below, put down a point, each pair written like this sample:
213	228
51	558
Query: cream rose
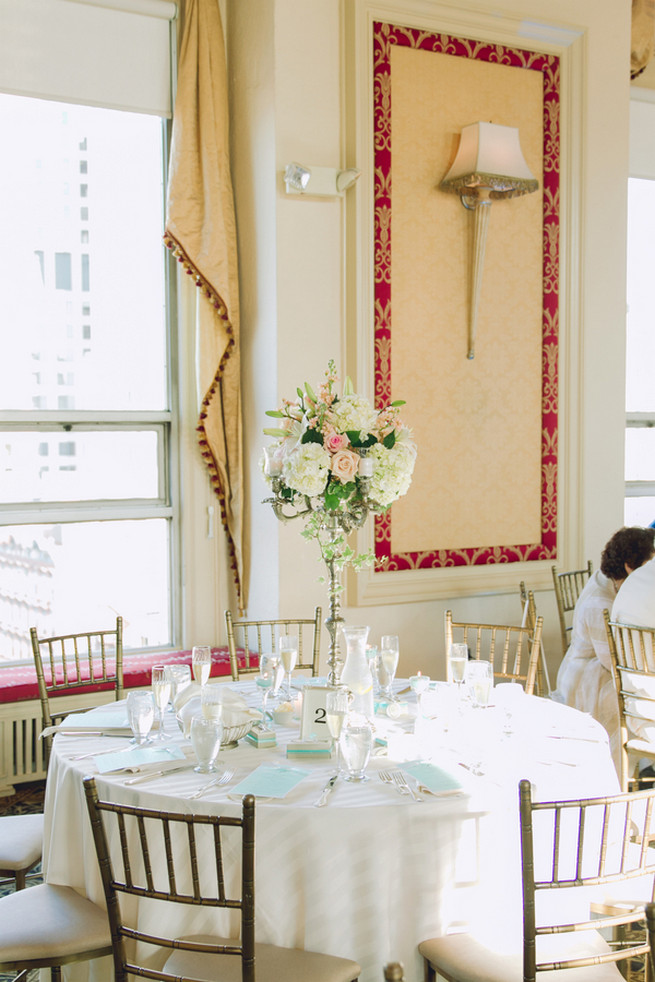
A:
344	465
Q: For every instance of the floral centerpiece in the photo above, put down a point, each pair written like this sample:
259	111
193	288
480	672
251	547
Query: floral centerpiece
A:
335	460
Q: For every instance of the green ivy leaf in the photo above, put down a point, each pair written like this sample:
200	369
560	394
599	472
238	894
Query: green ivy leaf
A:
311	436
389	440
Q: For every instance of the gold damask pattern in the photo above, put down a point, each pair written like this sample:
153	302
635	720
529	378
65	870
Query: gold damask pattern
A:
386	37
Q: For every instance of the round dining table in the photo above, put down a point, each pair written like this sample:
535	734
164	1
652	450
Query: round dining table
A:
376	870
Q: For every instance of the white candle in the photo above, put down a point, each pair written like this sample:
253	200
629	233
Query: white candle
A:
272	461
419	683
365	467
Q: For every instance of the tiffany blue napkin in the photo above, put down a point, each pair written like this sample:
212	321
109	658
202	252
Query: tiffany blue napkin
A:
269	781
137	758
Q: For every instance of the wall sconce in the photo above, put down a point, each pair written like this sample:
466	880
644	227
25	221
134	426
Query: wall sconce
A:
489	164
319	181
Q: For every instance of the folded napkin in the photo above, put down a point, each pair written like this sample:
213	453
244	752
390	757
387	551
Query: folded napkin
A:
109	720
235	707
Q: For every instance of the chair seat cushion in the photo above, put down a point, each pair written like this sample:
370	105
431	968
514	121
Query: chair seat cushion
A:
464	958
21	841
46	923
272	964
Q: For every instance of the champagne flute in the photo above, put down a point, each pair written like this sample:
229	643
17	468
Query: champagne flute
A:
161	691
206	736
269	677
387	663
479	678
180	677
211	701
289	656
141	714
336	710
201	659
458	657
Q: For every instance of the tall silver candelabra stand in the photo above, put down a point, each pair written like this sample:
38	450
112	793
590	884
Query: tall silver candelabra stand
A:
335	524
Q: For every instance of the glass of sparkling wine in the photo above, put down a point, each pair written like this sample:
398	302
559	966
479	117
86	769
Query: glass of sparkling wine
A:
479	678
289	656
269	677
336	710
458	657
201	659
141	715
206	735
180	677
211	701
356	744
161	691
387	663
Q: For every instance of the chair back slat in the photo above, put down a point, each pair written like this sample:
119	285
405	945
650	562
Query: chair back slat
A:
247	640
568	586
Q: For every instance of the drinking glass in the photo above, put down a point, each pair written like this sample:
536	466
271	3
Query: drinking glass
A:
269	677
141	715
479	679
179	677
289	656
387	663
211	701
201	659
336	710
161	691
356	744
206	736
458	657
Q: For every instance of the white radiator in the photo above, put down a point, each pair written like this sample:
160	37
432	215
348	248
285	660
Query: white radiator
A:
21	751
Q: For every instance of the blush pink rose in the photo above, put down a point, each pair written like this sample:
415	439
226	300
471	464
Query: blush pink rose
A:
344	465
334	441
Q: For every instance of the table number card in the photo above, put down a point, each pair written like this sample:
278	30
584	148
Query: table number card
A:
314	713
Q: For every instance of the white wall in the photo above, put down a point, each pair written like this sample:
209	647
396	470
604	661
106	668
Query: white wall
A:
289	102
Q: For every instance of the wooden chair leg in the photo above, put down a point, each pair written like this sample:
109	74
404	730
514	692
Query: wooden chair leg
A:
20	879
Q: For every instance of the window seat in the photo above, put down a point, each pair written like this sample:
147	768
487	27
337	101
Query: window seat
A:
18	682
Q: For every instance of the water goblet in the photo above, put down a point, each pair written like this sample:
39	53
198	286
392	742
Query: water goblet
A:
201	659
211	701
336	710
479	678
140	715
289	656
387	663
161	691
179	677
206	736
356	744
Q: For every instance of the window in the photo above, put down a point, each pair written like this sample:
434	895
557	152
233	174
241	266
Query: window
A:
640	335
103	520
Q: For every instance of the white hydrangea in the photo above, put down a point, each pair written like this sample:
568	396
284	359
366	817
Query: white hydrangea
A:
307	469
392	474
353	412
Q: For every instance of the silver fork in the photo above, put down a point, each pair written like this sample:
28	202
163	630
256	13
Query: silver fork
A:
387	777
216	783
404	787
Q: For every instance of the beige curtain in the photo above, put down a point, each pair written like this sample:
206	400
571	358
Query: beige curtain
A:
201	231
643	35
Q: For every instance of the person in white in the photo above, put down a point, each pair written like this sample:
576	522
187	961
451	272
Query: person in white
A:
635	601
584	679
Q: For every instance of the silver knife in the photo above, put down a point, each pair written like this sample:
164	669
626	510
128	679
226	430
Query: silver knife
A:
325	792
161	773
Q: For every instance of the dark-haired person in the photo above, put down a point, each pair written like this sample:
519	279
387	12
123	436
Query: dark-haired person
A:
584	679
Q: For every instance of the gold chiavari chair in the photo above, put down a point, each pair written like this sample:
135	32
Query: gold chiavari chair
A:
70	662
179	859
568	587
21	843
512	650
632	650
575	847
529	620
252	638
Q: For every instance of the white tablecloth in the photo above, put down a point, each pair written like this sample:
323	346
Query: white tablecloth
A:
372	874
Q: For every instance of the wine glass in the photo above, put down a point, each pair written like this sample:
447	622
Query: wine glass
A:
161	691
289	656
479	678
336	710
269	677
387	663
458	657
356	744
141	715
206	736
201	659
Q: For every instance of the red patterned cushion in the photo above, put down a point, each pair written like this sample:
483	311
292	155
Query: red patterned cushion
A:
18	682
